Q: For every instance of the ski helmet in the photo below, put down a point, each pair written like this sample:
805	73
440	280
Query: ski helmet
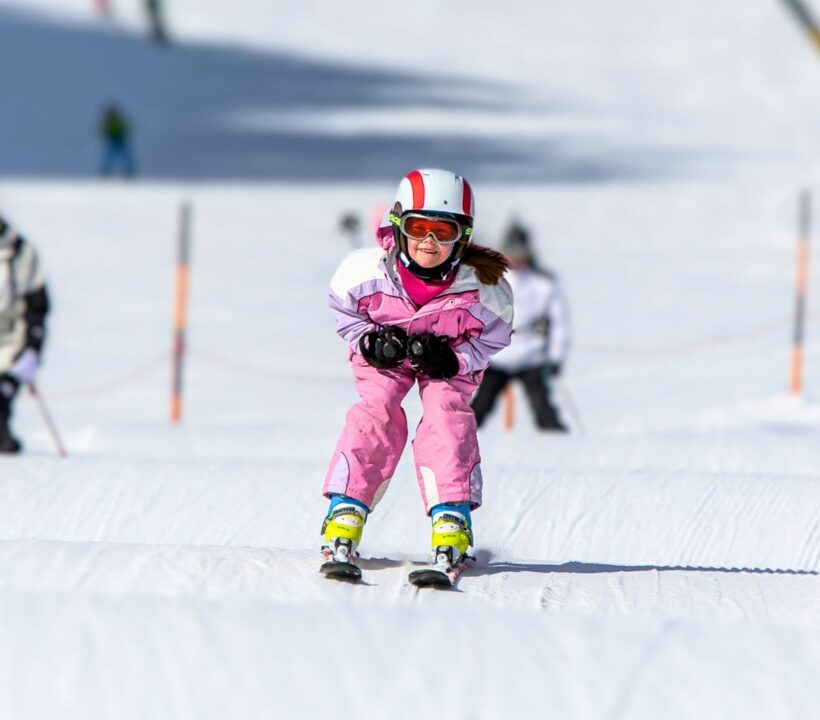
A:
437	193
515	245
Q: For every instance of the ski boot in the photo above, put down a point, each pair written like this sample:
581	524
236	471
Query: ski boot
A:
452	536
8	443
342	531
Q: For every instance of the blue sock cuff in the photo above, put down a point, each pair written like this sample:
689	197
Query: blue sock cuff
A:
340	499
463	508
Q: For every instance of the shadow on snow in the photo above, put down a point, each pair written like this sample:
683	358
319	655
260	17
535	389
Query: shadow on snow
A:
485	566
582	568
213	112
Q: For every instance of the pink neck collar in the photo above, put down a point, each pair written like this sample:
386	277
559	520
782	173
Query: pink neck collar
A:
422	291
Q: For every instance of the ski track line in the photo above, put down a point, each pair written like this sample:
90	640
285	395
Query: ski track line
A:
697	524
617	597
810	552
526	502
723	600
766	614
681	593
656	588
690	594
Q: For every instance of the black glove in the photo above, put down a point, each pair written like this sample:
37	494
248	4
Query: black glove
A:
8	387
540	327
384	348
432	355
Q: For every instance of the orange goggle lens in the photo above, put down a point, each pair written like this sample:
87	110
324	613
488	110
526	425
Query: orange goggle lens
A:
418	227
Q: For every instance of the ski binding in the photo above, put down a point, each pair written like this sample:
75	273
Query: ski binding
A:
339	564
444	574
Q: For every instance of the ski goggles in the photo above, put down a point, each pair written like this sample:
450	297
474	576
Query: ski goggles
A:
417	227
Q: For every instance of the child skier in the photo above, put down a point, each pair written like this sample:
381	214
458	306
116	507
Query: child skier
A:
425	305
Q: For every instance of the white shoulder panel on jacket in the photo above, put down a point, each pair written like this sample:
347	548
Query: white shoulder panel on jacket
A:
498	299
357	268
30	269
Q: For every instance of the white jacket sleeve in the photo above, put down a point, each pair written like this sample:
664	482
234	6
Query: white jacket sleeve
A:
560	329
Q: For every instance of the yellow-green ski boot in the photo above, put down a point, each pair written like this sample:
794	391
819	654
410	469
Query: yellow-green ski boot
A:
452	535
342	529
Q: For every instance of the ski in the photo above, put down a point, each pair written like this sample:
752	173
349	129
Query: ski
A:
341	571
439	578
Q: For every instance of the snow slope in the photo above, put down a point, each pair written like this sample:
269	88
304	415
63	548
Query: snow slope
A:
325	91
662	561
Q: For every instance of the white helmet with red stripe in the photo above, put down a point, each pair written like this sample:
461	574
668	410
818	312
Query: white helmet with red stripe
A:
439	193
436	191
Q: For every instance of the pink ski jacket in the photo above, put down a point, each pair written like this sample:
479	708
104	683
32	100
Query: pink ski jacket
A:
366	293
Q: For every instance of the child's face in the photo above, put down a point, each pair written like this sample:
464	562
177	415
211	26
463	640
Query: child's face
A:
428	252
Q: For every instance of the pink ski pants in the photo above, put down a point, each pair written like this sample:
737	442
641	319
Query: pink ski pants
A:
445	448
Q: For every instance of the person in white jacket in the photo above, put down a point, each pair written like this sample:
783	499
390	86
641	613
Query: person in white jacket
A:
540	340
23	308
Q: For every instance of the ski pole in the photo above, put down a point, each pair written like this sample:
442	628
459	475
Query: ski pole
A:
566	399
52	428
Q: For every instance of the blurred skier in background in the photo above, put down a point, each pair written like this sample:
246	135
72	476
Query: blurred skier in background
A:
425	305
541	335
350	225
23	309
115	132
156	23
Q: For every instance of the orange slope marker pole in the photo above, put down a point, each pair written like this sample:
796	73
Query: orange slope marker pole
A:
801	287
509	408
800	11
180	311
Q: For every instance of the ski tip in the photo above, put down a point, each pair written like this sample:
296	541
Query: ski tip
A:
341	571
430	578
